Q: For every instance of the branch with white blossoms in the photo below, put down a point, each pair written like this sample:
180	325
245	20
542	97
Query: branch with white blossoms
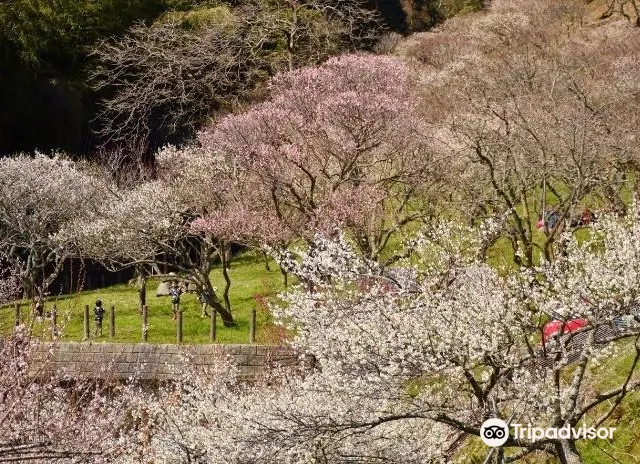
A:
449	244
324	258
10	287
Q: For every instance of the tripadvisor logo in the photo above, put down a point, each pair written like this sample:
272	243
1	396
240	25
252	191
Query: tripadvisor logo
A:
495	432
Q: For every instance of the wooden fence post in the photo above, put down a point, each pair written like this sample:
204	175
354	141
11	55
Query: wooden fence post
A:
145	311
112	322
252	327
18	315
86	322
54	322
212	325
179	326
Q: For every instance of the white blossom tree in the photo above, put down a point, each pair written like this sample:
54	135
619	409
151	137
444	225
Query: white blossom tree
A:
541	105
39	196
150	224
10	287
56	417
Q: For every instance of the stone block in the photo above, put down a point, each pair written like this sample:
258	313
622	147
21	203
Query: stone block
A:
66	357
168	369
128	357
62	347
123	368
107	348
169	349
135	347
205	350
143	348
115	347
243	360
148	357
90	367
157	349
145	368
232	349
263	349
248	349
258	361
90	347
281	351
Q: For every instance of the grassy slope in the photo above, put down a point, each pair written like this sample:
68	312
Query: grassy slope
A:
248	278
625	447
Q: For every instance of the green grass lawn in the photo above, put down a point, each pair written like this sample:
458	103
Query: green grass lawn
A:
248	279
625	446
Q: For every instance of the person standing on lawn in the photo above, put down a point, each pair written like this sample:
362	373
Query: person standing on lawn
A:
204	301
98	313
175	292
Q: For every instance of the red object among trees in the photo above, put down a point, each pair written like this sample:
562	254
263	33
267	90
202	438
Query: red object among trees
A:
555	326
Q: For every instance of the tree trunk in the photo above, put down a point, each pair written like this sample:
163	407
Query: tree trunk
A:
28	287
499	456
225	315
568	453
224	257
202	279
284	277
227	255
28	280
266	260
365	246
142	287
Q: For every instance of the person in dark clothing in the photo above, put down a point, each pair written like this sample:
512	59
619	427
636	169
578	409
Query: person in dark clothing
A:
175	292
204	302
587	217
98	313
552	219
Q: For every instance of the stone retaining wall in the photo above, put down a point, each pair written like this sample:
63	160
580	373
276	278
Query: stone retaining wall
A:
156	362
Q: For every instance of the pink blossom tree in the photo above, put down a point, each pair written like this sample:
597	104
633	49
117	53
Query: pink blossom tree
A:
336	147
